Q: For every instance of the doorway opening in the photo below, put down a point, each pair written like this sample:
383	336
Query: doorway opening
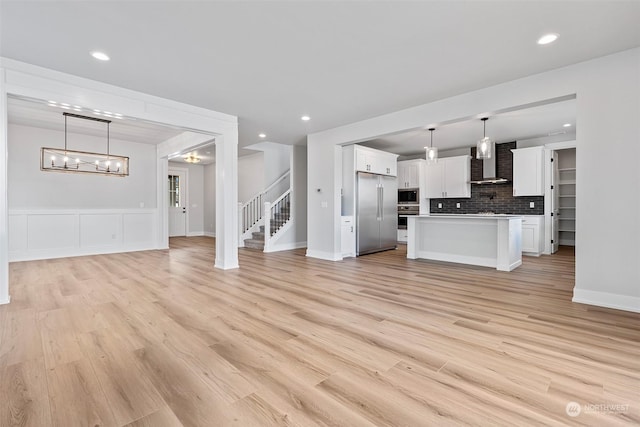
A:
563	199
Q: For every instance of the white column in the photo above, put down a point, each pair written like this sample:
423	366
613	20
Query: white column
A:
227	200
4	205
162	203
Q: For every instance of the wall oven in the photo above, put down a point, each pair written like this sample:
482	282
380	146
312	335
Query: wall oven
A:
408	196
403	212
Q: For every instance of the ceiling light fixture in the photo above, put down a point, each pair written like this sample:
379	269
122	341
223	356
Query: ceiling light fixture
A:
305	118
566	125
431	151
547	38
262	135
484	147
58	160
100	56
192	158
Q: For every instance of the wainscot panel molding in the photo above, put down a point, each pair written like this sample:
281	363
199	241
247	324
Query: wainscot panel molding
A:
58	233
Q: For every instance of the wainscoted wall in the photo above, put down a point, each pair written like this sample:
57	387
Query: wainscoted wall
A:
497	198
56	233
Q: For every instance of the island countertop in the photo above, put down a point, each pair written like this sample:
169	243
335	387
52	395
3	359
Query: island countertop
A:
486	240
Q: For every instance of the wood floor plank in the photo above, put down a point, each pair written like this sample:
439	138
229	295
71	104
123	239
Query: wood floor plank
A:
162	418
162	338
76	396
25	401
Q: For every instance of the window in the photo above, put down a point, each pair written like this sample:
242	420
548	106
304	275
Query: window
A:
174	191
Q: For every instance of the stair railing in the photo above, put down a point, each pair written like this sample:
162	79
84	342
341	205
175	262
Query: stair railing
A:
277	214
252	212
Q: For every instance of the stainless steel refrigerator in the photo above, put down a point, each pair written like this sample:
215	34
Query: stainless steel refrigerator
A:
376	212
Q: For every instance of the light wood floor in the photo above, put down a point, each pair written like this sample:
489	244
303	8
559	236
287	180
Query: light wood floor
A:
161	338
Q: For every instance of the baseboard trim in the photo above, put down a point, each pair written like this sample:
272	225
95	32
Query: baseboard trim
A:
209	234
328	256
606	299
288	247
58	253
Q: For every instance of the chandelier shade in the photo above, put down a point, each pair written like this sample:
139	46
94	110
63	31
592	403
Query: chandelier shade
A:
485	146
431	151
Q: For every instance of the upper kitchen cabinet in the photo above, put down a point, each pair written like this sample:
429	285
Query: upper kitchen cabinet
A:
528	176
448	178
356	158
409	173
375	161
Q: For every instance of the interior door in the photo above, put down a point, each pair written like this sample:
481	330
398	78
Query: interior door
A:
555	203
177	204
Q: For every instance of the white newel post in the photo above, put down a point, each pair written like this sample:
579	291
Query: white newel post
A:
240	226
267	225
227	200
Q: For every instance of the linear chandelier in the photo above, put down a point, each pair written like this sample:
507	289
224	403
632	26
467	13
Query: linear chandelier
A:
65	160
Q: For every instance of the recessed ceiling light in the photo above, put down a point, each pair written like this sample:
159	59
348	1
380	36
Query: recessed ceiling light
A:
305	118
567	125
547	38
52	102
262	135
101	56
207	152
77	109
65	105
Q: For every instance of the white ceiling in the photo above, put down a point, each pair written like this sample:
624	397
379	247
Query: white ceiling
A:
339	62
206	154
41	114
518	125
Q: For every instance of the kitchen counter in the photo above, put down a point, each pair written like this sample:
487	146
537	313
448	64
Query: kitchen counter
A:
485	240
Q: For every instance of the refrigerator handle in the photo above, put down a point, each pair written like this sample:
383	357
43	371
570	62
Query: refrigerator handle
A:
377	202
381	203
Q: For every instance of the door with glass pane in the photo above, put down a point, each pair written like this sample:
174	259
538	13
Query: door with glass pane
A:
177	204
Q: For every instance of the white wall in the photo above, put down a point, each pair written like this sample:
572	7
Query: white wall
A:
277	159
250	176
296	236
31	188
210	200
607	93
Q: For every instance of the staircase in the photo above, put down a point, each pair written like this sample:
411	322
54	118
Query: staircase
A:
258	215
278	220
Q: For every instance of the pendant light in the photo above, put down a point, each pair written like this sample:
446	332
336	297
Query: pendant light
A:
432	152
484	147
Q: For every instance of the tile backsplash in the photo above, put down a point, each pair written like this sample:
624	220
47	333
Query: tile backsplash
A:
496	198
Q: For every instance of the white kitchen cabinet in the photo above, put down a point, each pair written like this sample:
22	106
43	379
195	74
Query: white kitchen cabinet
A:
348	236
409	173
375	161
448	178
532	234
403	236
528	176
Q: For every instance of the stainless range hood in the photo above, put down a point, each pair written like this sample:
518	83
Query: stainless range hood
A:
489	172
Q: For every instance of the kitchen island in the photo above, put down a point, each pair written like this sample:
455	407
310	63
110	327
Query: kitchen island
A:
485	240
